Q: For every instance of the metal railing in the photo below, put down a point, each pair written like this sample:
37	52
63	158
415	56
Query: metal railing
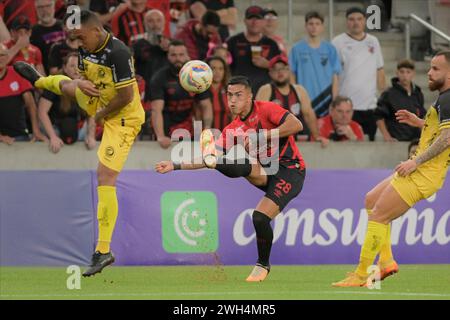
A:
430	27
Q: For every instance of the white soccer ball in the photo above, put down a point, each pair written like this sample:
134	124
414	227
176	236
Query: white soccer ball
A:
195	76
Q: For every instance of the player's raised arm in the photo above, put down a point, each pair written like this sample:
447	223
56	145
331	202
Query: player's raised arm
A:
289	126
409	118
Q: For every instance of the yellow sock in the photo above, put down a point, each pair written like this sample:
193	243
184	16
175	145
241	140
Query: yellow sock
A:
375	236
51	83
107	212
386	249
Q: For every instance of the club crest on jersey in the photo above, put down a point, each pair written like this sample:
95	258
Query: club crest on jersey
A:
109	152
101	73
14	86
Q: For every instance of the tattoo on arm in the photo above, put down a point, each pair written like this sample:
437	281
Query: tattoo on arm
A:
438	146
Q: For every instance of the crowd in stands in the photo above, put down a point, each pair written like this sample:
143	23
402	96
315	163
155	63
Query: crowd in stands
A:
337	89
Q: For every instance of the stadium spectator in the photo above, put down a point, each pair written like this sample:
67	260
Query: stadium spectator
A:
48	30
251	50
15	96
362	61
4	33
106	9
178	14
221	75
338	124
164	7
200	36
19	46
224	8
293	98
128	24
271	29
220	51
63	120
172	106
403	94
150	54
59	51
154	23
315	64
10	9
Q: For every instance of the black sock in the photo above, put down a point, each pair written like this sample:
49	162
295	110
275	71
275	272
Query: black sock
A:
264	236
234	170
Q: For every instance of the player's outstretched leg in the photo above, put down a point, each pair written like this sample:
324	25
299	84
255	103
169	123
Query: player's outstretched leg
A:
50	83
386	263
389	206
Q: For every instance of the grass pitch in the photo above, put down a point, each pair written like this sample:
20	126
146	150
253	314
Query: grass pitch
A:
221	283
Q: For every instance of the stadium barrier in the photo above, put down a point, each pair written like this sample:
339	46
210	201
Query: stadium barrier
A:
48	218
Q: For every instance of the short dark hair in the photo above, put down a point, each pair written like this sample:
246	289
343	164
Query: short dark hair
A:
354	10
340	99
313	14
65	60
176	43
211	18
86	16
445	53
405	63
240	80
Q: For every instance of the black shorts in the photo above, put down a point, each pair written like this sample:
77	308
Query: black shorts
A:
284	186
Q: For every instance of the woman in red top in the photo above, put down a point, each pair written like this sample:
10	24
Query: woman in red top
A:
221	74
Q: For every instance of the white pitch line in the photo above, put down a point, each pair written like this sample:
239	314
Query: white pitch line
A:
411	294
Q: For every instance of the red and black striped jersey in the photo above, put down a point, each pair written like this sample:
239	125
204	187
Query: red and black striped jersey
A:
263	115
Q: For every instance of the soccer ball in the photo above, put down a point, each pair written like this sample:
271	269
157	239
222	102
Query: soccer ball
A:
195	76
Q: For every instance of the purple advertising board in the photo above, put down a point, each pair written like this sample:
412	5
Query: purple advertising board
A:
202	217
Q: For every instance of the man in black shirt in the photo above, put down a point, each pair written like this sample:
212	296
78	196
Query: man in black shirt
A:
224	8
172	106
251	51
403	94
59	51
48	30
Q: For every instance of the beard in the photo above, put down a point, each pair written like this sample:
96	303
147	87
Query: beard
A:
281	83
176	67
436	84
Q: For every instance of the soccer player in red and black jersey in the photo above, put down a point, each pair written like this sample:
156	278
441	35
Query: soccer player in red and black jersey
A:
275	125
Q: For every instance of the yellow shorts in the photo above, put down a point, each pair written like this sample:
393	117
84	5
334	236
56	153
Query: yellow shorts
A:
413	187
116	144
88	104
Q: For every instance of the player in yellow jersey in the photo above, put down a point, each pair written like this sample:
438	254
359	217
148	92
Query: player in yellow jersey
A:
109	92
414	179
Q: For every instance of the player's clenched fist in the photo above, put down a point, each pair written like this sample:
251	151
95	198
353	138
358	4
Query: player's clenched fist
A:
164	166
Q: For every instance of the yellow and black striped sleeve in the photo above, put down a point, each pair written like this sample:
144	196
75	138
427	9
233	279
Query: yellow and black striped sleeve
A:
122	68
444	110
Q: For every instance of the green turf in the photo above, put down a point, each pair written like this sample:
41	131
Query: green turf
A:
210	282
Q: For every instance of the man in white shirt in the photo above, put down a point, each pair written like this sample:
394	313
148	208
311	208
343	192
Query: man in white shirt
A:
362	69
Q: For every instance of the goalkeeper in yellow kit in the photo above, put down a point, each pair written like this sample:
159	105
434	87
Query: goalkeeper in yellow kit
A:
414	180
108	92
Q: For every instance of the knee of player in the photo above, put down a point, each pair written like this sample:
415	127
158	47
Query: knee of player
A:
106	177
260	218
369	200
379	216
